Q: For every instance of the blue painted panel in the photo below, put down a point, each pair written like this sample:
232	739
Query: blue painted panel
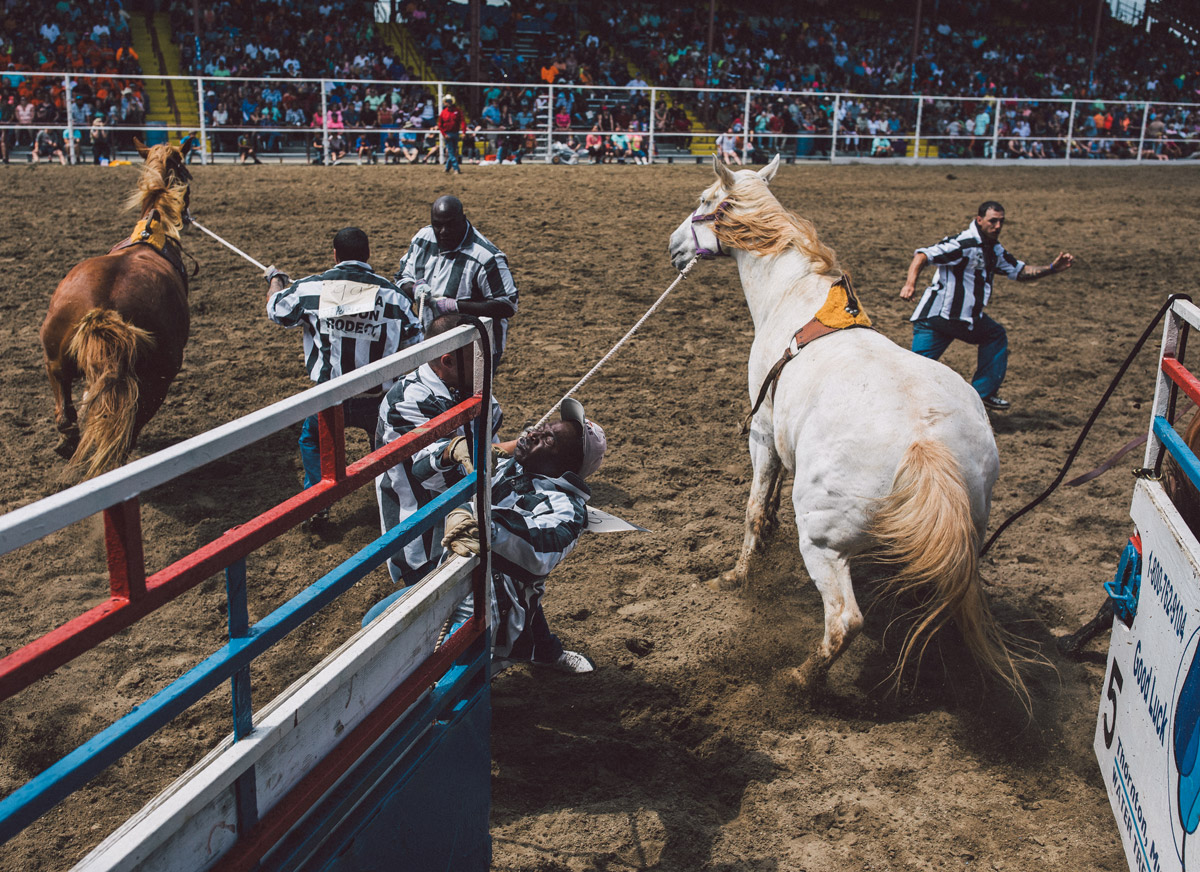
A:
1178	449
419	800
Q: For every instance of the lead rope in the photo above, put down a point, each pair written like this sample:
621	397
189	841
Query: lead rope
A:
634	329
228	245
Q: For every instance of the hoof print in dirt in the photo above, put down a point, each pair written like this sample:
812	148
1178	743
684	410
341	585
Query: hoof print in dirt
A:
640	647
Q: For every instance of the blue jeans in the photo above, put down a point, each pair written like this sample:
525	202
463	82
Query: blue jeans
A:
932	336
451	152
361	412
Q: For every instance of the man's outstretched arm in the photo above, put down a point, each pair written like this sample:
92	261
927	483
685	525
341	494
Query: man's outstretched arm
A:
1032	273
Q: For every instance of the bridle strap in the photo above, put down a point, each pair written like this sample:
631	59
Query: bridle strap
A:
702	252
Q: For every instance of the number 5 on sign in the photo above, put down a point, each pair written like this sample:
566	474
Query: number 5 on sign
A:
1115	684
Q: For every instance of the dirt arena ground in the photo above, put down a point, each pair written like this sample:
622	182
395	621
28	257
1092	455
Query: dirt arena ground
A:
684	751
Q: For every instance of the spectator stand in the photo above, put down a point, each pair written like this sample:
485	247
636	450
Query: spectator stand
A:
380	750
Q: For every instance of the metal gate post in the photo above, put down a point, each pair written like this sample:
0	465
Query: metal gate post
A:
917	145
550	124
833	128
438	127
746	134
203	123
324	125
996	127
70	120
1070	131
1142	136
650	153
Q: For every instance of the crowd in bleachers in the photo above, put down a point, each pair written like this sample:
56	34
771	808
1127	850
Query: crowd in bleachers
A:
863	56
89	40
534	42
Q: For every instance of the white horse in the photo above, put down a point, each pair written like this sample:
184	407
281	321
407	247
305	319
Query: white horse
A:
892	453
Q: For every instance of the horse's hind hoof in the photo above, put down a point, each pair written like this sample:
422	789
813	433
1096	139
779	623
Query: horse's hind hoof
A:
726	581
67	443
808	678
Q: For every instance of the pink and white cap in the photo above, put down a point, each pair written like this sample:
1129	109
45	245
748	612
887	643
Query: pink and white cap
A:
594	443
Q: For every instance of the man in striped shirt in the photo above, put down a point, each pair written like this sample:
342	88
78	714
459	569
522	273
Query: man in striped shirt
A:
952	307
539	510
456	269
350	317
413	401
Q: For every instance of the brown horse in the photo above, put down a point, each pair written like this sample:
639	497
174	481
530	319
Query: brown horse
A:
121	321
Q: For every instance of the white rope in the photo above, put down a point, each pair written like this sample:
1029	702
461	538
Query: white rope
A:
232	248
634	329
622	341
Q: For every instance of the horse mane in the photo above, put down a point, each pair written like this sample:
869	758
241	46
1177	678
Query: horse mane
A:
751	219
160	187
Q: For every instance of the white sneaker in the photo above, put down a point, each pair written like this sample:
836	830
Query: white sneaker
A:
573	663
570	662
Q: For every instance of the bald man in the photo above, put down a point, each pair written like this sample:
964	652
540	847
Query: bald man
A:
456	269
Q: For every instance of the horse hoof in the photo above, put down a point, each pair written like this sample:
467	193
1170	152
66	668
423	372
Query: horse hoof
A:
808	677
726	581
67	444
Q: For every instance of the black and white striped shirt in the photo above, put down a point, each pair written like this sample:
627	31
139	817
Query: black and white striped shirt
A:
351	317
963	283
536	522
476	270
412	402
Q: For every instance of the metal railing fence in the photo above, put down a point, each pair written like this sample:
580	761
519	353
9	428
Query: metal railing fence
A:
810	124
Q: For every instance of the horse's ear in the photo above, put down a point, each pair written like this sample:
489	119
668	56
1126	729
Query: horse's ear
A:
186	147
141	148
723	172
768	172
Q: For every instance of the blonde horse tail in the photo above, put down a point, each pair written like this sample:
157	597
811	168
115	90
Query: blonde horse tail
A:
926	530
106	347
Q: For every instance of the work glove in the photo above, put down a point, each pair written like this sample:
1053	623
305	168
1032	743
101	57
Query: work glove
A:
273	273
422	290
462	533
442	306
458	450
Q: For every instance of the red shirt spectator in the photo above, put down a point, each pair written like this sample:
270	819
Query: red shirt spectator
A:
451	120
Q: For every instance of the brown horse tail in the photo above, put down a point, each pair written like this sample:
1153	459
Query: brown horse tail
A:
926	529
105	347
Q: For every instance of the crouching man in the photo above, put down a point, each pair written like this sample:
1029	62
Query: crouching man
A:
539	508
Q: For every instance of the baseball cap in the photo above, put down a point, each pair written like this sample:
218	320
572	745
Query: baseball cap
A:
594	443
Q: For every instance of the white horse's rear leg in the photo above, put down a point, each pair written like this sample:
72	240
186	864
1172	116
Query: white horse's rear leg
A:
762	506
830	572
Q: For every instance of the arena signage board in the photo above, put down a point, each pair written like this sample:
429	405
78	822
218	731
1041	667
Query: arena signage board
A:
1148	727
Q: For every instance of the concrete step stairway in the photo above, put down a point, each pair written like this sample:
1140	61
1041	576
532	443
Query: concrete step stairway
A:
171	103
397	37
920	148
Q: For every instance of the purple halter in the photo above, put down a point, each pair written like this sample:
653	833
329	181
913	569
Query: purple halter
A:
708	253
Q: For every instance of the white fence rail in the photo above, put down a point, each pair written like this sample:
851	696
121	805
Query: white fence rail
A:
673	123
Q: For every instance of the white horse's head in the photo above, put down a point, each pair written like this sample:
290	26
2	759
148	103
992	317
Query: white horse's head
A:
697	234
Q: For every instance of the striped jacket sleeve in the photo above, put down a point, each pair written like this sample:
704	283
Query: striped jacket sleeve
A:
949	250
496	281
414	407
1006	263
532	536
412	265
287	305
